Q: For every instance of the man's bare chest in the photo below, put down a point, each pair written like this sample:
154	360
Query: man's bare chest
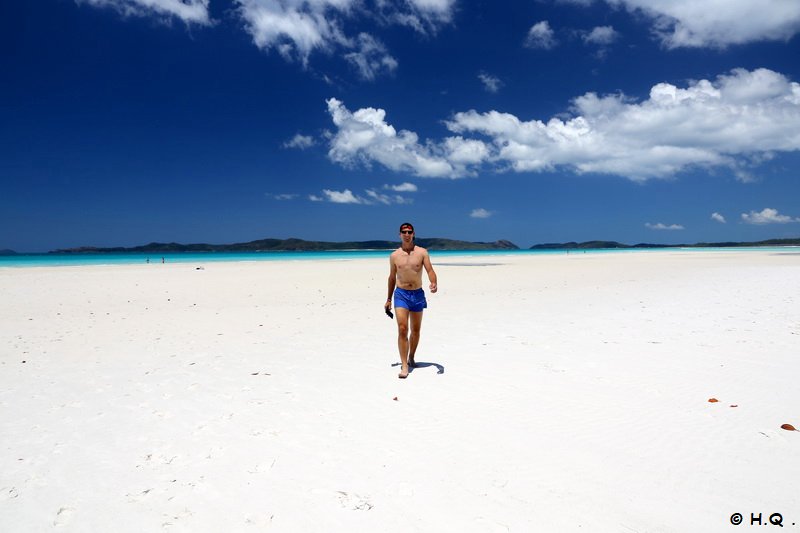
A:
406	261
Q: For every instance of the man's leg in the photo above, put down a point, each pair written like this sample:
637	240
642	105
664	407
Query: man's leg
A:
401	314
416	326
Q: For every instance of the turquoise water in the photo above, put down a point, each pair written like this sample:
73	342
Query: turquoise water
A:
34	260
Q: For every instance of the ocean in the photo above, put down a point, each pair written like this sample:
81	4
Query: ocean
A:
53	259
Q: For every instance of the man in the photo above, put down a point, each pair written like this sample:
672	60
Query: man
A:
405	283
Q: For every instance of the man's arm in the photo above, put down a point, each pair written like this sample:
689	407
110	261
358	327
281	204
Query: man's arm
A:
392	282
426	262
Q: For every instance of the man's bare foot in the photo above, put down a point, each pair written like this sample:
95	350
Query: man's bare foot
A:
412	363
403	373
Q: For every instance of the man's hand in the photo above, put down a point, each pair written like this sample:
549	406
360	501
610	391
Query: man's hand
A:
433	287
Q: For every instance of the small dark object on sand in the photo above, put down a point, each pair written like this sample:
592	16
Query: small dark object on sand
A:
788	427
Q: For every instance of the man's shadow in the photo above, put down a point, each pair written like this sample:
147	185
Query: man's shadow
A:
422	364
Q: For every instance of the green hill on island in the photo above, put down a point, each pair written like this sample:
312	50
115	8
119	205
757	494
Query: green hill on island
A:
274	245
604	245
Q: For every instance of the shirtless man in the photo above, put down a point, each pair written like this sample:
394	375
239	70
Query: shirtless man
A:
405	283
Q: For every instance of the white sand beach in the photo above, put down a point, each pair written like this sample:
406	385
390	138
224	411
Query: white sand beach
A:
554	393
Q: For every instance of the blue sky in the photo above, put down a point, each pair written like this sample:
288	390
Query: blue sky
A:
129	121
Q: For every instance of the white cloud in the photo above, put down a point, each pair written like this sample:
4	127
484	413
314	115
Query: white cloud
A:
480	213
343	197
719	218
735	122
440	8
425	16
294	27
731	122
300	142
767	216
716	23
463	152
364	136
601	35
297	28
541	36
371	58
660	226
403	187
490	83
348	197
377	197
189	11
283	196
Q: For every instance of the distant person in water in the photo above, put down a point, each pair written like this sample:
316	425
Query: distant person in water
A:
405	284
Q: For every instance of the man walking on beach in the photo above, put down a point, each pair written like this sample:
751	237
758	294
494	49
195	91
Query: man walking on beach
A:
405	284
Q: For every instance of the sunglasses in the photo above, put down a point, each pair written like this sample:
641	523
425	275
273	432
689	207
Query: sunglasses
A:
407	232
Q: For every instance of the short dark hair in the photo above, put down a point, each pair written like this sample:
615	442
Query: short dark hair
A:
406	225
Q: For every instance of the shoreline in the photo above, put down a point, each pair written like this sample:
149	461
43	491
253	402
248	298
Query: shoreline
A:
134	258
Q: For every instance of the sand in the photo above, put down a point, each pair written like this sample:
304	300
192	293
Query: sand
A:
555	393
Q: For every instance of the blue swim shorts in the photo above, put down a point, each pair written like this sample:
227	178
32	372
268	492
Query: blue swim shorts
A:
414	300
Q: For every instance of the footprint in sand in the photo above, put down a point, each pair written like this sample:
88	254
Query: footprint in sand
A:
63	516
354	501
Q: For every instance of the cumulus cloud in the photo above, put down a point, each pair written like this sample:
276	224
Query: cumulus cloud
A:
736	122
719	218
189	11
365	136
730	122
601	35
715	23
660	226
480	213
403	187
490	83
342	197
300	142
464	152
541	36
767	216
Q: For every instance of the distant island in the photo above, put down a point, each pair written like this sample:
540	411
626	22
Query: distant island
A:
292	245
300	245
602	245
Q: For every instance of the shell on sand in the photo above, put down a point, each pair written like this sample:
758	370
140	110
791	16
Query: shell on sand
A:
788	427
712	400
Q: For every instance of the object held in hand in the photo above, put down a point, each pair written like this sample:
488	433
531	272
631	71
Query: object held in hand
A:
389	313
